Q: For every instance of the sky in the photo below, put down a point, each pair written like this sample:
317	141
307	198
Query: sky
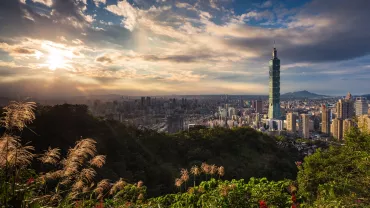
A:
166	47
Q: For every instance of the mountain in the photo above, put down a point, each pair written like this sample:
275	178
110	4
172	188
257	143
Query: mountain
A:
302	94
367	96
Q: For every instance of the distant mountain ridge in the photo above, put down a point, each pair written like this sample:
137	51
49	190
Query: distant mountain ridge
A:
302	94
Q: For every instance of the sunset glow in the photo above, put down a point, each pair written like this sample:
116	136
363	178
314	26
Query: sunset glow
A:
55	60
184	47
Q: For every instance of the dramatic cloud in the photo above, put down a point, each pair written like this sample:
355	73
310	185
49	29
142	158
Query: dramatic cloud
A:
104	59
159	47
125	9
45	2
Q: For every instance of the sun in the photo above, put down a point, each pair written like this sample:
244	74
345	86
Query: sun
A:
55	60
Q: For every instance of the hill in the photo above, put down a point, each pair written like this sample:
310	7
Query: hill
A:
302	94
333	177
367	96
156	158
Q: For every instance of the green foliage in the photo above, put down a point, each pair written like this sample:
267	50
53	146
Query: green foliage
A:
156	158
339	175
235	193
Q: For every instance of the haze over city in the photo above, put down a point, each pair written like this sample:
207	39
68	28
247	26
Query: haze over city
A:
162	47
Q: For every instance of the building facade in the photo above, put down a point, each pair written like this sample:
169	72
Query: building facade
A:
274	87
291	122
361	106
337	128
305	128
175	123
325	120
259	106
345	108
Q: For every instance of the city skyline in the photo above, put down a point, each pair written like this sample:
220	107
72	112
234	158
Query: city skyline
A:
147	47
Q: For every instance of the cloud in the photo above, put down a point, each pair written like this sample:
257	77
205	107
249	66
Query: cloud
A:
126	10
104	59
98	2
170	43
44	2
69	8
266	4
259	15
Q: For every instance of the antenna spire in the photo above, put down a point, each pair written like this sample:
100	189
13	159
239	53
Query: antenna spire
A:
274	52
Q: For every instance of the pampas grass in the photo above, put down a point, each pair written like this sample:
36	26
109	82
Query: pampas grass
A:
72	177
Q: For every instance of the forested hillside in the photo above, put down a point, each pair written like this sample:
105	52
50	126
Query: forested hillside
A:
63	157
156	158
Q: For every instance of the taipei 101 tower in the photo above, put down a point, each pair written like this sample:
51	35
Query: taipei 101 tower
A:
274	85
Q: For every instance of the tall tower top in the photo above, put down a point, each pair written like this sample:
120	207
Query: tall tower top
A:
274	53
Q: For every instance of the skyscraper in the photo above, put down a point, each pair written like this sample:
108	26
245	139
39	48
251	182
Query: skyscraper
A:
291	122
345	108
259	106
305	129
325	120
175	123
361	106
142	101
274	85
337	128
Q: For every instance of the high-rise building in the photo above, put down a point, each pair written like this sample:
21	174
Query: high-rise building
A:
347	125
305	130
325	120
345	108
254	104
291	122
231	112
175	123
148	101
259	106
337	128
274	87
142	101
361	106
334	128
274	124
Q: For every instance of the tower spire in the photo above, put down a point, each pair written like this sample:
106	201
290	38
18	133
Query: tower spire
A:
274	52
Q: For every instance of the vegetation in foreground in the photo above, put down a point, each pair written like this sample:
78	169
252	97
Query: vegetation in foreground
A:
156	158
337	177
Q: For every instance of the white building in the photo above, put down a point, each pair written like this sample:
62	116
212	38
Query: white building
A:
361	106
275	124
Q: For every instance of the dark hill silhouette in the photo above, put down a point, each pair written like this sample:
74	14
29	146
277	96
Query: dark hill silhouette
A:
156	158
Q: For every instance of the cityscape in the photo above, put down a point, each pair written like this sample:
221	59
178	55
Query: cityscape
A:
184	103
298	115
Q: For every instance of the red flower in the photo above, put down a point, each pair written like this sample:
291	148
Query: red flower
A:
30	180
263	204
298	163
294	199
100	205
294	206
